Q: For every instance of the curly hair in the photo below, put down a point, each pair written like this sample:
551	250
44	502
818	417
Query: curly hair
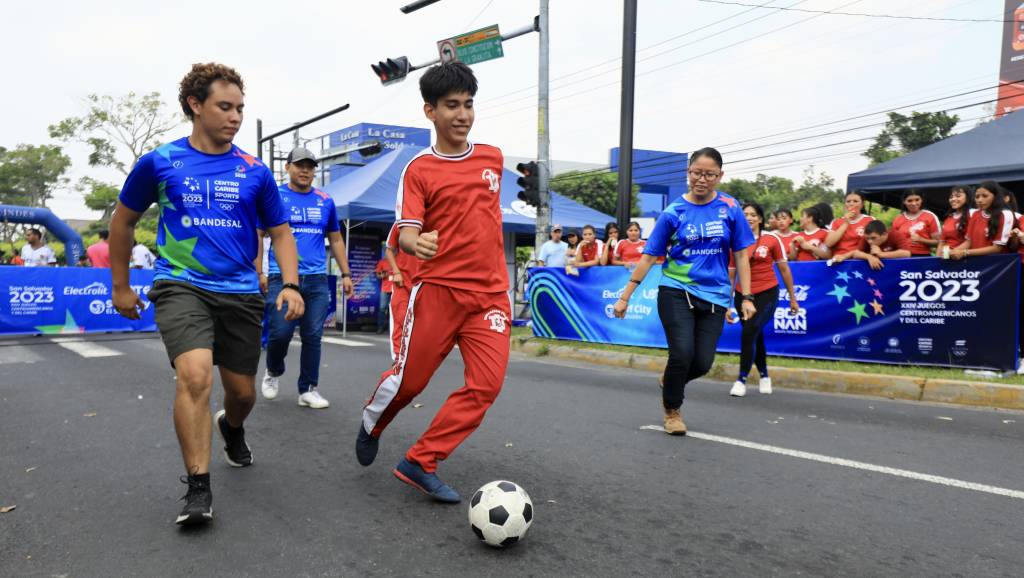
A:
198	80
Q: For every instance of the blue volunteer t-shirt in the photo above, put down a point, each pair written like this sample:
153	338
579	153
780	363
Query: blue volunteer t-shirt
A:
209	209
311	215
695	241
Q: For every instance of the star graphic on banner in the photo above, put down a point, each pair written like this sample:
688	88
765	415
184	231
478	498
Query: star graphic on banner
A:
844	276
858	310
877	307
839	292
878	294
69	326
871	281
858	274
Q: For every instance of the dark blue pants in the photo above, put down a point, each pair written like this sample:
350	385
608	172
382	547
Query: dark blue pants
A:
692	328
311	328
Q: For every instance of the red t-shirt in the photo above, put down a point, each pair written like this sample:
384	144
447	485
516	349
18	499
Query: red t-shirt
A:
894	241
385	282
786	238
1020	249
628	251
815	239
459	197
589	251
950	235
851	239
408	265
925	224
99	254
977	230
762	256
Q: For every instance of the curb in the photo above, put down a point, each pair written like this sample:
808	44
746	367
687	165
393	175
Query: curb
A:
982	394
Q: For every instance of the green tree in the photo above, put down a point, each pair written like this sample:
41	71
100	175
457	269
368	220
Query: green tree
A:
100	196
768	191
903	134
29	174
597	190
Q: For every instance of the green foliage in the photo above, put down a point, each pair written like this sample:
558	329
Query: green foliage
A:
599	191
523	255
100	196
777	192
903	134
29	174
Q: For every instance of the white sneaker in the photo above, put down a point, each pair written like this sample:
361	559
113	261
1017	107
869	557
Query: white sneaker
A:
738	389
269	386
313	399
1020	367
765	385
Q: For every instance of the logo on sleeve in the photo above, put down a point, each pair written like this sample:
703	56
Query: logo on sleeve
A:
497	319
493	180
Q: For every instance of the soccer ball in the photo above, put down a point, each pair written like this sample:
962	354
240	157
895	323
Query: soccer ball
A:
500	513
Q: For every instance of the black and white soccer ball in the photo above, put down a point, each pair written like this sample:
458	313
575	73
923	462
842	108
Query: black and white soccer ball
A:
500	513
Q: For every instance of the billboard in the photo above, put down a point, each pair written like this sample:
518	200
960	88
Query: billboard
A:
1011	63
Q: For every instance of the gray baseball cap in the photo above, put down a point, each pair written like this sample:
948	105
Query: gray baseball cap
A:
302	154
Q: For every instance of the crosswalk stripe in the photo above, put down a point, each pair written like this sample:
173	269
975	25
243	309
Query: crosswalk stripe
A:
346	342
18	354
86	348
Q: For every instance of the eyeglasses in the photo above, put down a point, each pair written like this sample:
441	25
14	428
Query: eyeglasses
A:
706	175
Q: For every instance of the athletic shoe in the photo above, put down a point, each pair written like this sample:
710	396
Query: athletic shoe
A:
426	482
674	425
739	389
198	500
236	451
313	399
1020	367
366	447
765	385
269	386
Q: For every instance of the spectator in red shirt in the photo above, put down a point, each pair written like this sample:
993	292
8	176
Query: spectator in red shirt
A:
848	231
878	244
629	250
611	239
383	271
99	252
783	228
809	244
588	254
764	256
988	230
920	225
954	226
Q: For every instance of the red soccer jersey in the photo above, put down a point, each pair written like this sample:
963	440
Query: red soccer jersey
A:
1020	248
589	251
950	235
629	252
925	224
786	238
894	241
851	239
762	256
384	269
815	239
459	197
977	230
408	265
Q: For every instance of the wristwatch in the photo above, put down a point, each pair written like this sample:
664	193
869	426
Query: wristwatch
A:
291	286
748	297
346	275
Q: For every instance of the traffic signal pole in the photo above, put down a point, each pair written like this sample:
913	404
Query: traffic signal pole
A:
543	137
625	202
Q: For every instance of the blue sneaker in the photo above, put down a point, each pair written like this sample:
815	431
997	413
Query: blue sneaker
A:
366	447
428	483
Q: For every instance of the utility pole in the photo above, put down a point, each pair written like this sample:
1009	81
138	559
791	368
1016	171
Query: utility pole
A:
625	204
543	137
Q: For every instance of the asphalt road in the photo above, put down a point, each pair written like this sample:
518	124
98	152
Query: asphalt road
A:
89	457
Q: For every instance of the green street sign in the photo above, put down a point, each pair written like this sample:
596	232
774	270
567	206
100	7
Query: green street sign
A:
472	47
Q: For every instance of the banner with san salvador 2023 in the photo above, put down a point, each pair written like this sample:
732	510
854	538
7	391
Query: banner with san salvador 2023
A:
924	311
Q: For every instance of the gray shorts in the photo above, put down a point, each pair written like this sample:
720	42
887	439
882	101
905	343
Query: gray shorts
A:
229	324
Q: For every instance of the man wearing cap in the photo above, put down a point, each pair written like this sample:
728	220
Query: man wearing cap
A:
552	252
312	217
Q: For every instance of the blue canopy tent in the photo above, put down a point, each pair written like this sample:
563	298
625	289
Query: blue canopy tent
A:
990	151
369	194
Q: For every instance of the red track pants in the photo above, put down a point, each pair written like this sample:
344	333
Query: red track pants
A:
437	319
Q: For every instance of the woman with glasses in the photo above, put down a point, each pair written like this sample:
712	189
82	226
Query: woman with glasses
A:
695	234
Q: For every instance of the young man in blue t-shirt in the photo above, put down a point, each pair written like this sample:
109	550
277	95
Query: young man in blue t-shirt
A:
313	218
211	195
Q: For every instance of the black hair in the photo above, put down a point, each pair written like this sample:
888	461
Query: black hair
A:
36	231
444	79
965	211
877	227
104	234
859	194
591	227
814	212
611	225
572	233
634	224
198	80
760	213
707	152
783	211
824	211
994	212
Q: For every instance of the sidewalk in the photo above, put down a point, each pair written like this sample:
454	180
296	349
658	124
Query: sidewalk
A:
976	393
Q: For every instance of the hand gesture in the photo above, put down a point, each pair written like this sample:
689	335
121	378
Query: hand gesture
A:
875	250
794	307
347	287
296	306
397	279
731	316
426	245
127	302
747	310
620	308
875	263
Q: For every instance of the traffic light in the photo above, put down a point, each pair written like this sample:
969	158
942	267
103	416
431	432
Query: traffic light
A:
391	70
529	182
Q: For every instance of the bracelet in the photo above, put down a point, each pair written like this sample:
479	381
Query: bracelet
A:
748	297
291	286
635	281
343	275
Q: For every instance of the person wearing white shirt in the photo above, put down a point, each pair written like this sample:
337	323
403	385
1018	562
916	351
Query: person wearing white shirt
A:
552	252
36	253
142	257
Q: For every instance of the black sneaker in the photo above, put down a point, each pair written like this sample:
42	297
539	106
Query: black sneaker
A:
198	500
366	447
236	451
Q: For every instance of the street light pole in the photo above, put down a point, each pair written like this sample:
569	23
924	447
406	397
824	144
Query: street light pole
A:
625	202
543	137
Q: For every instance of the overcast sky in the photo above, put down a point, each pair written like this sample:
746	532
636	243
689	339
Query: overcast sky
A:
747	73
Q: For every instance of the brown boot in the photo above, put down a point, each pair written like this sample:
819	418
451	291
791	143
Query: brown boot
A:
674	423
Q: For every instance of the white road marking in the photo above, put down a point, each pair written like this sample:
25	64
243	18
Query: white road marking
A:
18	354
941	480
85	348
346	342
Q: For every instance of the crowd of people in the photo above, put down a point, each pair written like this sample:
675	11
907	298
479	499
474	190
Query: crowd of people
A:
36	253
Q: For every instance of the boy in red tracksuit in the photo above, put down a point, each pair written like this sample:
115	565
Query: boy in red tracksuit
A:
402	281
449	216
